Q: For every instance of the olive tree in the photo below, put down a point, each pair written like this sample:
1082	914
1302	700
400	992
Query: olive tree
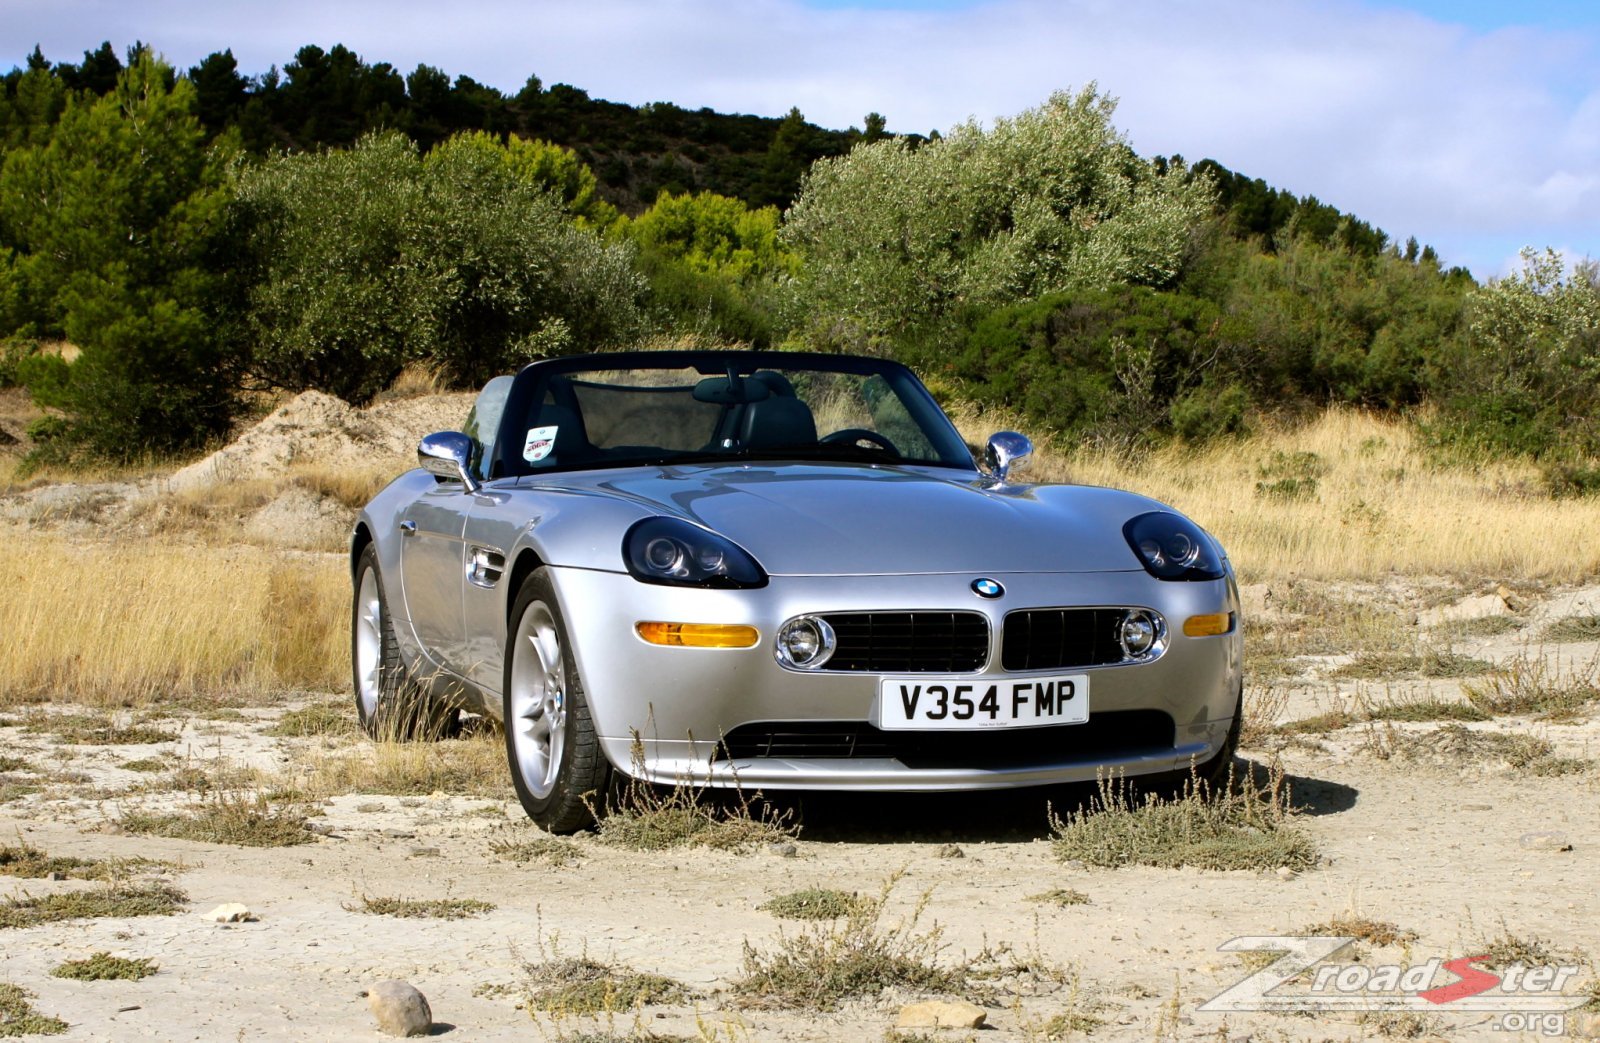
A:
899	237
368	259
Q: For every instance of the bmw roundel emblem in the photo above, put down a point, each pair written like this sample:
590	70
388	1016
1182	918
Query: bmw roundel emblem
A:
987	588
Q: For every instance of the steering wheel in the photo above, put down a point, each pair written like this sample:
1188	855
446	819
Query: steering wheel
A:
852	435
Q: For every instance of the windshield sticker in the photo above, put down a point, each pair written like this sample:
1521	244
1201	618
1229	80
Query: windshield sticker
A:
540	441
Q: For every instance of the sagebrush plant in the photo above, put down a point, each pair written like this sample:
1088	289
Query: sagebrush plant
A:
18	1018
580	985
1534	684
243	818
103	966
116	898
422	908
1481	749
812	903
647	817
24	860
1242	825
820	966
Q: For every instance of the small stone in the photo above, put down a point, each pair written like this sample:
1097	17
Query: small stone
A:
1477	807
56	874
1077	864
231	912
1285	873
424	852
1545	840
399	834
400	1009
941	1014
321	829
782	850
951	851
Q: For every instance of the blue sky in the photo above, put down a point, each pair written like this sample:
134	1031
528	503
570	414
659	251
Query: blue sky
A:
1472	125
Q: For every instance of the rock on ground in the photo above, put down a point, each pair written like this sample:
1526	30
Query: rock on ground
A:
401	1010
941	1014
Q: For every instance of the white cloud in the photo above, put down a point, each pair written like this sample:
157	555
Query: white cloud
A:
1473	141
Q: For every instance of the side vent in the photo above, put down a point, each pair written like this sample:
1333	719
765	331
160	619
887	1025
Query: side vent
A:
485	566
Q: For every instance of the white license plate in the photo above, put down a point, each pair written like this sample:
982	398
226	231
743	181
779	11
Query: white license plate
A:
924	703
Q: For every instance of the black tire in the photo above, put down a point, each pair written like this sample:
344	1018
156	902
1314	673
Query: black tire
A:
1216	773
389	703
564	790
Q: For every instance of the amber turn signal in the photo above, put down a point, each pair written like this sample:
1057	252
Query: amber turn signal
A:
1208	625
699	635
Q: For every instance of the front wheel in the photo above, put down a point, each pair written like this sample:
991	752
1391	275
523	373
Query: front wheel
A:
557	766
389	704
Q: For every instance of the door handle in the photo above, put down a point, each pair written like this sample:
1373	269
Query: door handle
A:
408	528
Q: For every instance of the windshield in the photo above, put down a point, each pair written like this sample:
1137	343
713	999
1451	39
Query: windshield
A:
704	407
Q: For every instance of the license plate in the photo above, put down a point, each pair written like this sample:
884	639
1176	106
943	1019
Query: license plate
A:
923	703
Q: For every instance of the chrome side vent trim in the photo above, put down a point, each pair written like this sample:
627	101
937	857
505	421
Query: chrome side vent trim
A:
485	566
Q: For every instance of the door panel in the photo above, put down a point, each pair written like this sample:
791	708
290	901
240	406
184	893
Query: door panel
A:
497	518
433	566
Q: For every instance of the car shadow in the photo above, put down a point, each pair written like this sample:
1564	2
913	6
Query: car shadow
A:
999	816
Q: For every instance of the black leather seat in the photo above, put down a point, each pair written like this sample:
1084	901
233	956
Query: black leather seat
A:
777	422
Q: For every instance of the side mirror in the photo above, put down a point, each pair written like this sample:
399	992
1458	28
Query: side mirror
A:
448	454
1005	450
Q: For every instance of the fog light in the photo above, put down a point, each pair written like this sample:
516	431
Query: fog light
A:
699	635
1137	635
1208	625
805	642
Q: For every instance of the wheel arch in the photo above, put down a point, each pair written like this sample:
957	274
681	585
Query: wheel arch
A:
360	539
526	562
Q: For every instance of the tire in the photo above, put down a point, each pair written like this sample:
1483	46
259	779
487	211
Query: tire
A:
389	703
559	771
1215	773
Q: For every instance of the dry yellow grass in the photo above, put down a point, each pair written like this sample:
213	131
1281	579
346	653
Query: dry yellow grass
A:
131	622
1380	505
473	765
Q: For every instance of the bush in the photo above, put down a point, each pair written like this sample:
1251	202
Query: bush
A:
1528	377
367	260
899	239
1207	412
15	354
115	224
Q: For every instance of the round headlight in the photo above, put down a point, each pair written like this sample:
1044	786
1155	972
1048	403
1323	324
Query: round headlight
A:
1172	547
663	555
805	642
676	552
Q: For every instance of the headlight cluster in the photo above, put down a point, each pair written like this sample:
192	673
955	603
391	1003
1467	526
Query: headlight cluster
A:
1173	548
676	553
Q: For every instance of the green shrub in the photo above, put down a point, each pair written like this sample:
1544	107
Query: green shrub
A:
116	224
360	262
1208	412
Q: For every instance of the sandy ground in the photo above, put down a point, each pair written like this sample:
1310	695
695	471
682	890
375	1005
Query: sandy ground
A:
1447	852
1461	850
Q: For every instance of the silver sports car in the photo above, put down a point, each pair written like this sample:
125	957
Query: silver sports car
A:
780	570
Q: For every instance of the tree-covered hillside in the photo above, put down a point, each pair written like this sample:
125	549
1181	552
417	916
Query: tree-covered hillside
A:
196	233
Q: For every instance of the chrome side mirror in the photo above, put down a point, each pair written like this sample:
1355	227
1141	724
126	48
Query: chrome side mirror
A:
1004	451
448	454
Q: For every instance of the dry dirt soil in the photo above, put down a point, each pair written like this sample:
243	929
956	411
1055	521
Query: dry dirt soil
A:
1464	843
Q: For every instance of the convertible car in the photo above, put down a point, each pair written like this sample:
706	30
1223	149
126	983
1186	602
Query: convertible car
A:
780	570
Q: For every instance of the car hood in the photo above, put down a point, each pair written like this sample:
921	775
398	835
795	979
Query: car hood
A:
805	519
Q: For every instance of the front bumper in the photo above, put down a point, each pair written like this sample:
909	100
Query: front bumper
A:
660	712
